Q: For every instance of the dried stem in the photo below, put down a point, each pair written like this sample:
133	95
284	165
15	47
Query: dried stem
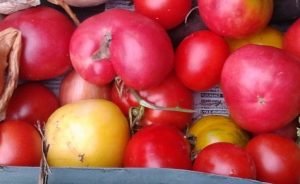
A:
44	167
67	9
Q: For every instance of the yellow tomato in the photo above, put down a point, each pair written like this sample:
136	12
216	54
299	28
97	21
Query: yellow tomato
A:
269	36
216	128
90	133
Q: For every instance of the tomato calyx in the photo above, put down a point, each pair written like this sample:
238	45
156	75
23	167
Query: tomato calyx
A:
103	52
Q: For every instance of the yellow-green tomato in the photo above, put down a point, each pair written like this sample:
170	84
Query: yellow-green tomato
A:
216	128
88	133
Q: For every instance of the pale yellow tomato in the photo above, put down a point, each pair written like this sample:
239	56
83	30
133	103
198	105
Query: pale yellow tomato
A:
88	133
269	36
216	128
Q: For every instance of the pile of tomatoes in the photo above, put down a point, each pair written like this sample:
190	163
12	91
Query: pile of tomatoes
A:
124	94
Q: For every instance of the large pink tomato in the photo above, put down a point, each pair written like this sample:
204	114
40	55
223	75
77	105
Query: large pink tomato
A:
46	34
261	87
122	43
237	18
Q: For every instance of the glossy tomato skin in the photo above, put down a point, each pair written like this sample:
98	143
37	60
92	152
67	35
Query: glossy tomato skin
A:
256	82
210	129
135	47
87	133
167	13
170	93
237	18
32	102
158	146
199	60
21	144
46	34
291	39
123	98
225	159
277	159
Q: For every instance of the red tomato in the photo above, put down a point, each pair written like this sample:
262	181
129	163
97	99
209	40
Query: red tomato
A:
21	144
158	146
31	102
168	13
46	34
123	43
238	18
225	159
170	93
256	82
277	159
200	58
291	39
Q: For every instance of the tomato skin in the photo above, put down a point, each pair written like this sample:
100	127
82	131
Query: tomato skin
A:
199	60
87	133
21	144
255	82
46	34
240	17
215	128
141	61
277	159
158	146
225	159
31	102
170	93
167	13
291	39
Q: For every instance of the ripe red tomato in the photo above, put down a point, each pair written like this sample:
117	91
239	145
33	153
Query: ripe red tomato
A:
31	102
256	82
21	144
124	43
158	146
170	93
168	13
277	159
46	34
200	58
237	18
291	39
225	159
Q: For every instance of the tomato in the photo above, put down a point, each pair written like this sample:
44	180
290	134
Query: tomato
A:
21	144
291	39
225	159
268	36
171	93
199	60
235	19
158	146
31	102
74	88
277	159
167	13
122	43
210	129
46	34
87	133
256	82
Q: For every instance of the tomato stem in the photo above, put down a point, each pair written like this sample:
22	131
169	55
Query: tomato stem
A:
189	13
67	9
